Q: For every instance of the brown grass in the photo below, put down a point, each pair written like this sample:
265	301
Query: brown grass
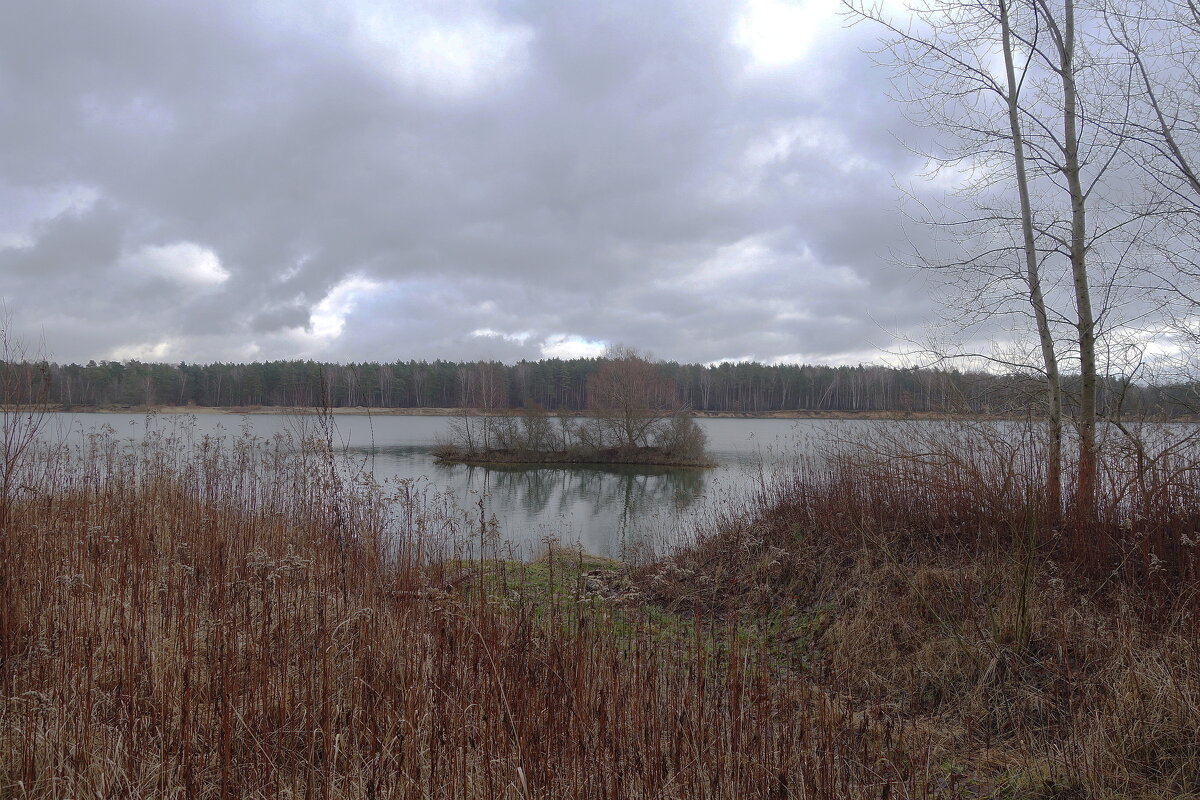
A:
1048	660
202	619
193	618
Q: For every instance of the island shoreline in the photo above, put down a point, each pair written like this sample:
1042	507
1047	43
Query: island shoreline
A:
564	459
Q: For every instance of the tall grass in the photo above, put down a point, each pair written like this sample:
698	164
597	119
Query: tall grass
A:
191	617
195	617
918	569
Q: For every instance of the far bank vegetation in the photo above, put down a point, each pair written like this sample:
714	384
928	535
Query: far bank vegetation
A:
636	418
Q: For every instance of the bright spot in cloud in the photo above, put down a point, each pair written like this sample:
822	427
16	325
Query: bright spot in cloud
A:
147	351
861	356
16	241
731	263
186	263
488	333
444	56
565	346
24	207
815	136
75	198
328	317
955	176
716	362
779	33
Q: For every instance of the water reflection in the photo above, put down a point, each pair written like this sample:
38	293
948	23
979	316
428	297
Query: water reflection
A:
557	490
608	510
605	508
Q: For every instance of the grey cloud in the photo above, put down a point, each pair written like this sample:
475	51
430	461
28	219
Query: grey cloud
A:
361	217
69	248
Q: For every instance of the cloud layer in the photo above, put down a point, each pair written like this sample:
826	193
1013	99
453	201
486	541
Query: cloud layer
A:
459	179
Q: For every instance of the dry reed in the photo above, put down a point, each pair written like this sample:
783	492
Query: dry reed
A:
190	617
918	570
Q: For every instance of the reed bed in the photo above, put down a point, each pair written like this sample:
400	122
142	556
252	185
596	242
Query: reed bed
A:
242	618
917	569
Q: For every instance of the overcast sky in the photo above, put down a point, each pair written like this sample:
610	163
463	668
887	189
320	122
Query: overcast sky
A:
373	180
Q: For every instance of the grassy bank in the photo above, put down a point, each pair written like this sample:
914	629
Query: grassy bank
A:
248	620
1046	660
244	621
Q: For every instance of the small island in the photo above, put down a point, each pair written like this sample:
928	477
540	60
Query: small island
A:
649	455
635	418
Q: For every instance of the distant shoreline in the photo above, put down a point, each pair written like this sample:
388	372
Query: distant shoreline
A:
514	412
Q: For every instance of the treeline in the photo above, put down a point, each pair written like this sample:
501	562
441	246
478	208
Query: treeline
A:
556	384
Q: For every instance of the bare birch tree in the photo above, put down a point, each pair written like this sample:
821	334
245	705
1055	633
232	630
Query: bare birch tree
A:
997	83
1161	39
1029	251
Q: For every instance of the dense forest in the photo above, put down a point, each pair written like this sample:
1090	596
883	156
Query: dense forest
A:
556	384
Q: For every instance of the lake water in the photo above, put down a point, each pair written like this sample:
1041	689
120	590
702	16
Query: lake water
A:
609	511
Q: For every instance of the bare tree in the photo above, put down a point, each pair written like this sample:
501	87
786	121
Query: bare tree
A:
1010	98
24	393
1059	58
1037	300
24	403
631	397
1161	39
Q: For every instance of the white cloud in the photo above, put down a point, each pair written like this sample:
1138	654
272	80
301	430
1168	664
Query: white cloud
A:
488	333
730	265
716	362
185	263
957	176
436	53
74	198
327	319
780	33
25	208
562	345
872	355
804	135
146	351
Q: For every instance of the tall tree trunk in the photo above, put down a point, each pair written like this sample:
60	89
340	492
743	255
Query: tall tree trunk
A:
1085	320
1033	276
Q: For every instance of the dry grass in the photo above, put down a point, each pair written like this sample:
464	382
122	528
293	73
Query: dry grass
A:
1057	661
243	619
235	620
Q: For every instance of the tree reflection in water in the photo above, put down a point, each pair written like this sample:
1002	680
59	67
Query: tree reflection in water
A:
609	510
621	496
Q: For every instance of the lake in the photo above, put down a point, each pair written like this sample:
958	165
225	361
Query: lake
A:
608	511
